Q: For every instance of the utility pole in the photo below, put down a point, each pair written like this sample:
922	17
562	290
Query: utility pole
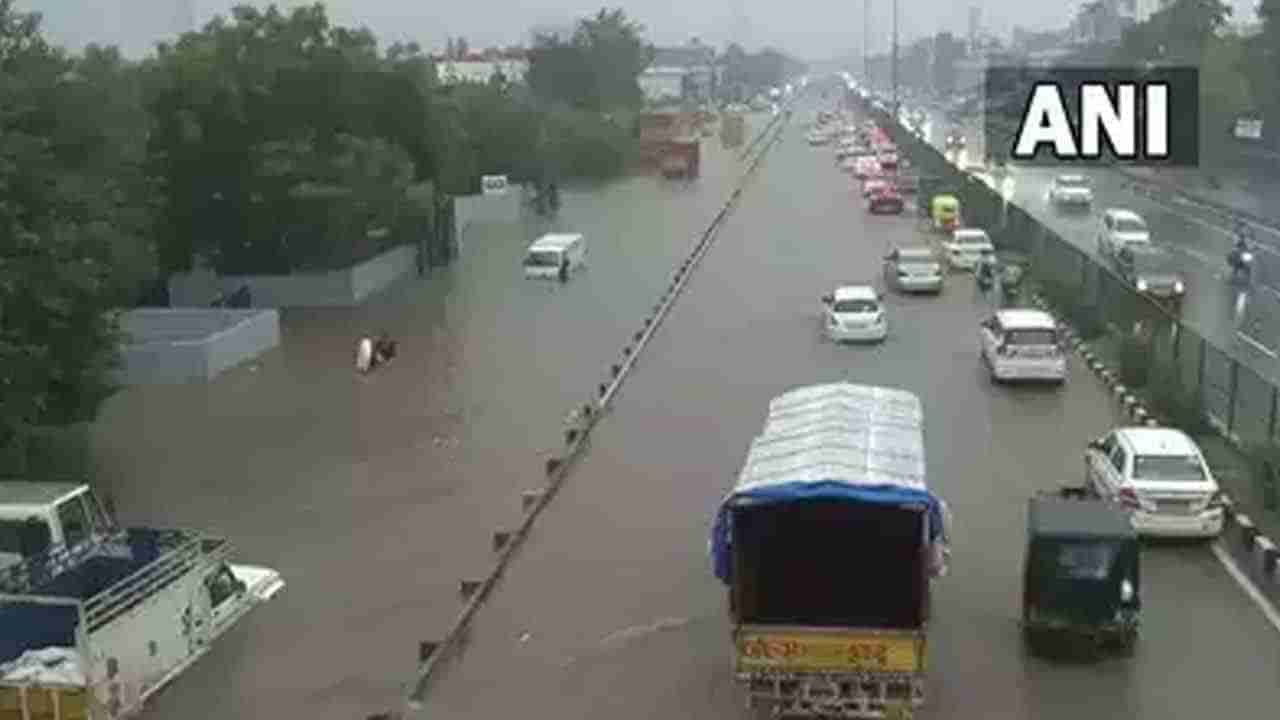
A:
866	43
895	60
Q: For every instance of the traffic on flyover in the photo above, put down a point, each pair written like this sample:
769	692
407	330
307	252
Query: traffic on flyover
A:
1241	318
614	607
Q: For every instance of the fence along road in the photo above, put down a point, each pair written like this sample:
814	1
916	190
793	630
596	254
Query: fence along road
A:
1245	326
611	609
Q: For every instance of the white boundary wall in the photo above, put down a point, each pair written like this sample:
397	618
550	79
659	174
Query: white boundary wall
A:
169	345
335	288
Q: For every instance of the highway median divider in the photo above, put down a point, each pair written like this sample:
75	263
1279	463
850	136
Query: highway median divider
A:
1157	369
578	430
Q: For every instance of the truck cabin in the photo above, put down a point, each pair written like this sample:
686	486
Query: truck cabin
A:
38	517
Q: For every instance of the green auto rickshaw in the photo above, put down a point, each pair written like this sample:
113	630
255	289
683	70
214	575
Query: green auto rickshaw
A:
1080	574
944	211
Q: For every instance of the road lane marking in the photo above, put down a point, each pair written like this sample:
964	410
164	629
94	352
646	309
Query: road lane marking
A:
1268	610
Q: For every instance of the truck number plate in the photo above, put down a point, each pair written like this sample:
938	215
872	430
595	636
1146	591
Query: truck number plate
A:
828	653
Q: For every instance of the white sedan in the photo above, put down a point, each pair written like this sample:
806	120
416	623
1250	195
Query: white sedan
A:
854	314
1071	191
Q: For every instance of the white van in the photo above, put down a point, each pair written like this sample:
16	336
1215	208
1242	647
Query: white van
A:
1023	345
549	253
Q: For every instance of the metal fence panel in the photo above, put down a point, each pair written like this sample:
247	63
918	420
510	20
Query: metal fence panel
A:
1216	386
1252	412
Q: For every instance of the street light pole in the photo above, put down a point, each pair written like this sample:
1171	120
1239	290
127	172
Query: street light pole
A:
895	60
866	42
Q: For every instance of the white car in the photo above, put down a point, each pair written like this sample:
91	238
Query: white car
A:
1160	475
1022	345
854	314
1120	227
818	138
966	247
1071	191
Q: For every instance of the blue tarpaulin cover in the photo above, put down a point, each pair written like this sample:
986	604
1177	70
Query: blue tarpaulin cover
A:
834	441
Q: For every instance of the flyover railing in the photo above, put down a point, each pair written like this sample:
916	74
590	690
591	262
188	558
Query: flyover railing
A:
1186	379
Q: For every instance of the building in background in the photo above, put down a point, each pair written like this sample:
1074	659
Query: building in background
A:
482	66
975	25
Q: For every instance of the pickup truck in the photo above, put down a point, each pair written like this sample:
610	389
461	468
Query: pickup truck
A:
828	544
94	619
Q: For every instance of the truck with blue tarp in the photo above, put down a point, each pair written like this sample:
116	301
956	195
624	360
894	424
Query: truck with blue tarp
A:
95	618
829	543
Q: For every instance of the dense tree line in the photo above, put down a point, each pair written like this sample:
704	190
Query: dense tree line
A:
267	142
746	74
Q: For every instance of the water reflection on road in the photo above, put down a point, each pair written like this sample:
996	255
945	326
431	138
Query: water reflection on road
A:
374	495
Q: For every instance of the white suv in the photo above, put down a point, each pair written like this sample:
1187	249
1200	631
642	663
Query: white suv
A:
1071	191
1022	345
1120	228
1160	475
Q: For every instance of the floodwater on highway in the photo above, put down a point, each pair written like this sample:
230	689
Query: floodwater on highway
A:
375	495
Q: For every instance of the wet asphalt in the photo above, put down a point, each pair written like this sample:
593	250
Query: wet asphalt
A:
611	610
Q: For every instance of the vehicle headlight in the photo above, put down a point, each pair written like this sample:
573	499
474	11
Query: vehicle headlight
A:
1247	257
1178	287
1126	591
1142	286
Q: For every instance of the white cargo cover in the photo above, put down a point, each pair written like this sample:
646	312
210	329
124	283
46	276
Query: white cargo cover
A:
839	440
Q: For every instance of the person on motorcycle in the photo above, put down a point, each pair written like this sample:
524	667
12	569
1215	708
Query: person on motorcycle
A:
553	197
1241	254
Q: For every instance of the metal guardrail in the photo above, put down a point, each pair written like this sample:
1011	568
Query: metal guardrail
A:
187	549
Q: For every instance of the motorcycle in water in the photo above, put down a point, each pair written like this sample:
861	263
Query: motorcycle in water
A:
1240	257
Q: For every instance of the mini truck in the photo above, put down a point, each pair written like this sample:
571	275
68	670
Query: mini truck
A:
829	543
95	619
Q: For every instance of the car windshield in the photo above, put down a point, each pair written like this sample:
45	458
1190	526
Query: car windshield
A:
916	257
1032	337
1130	225
1173	468
855	306
542	258
1072	182
1152	262
1085	560
972	239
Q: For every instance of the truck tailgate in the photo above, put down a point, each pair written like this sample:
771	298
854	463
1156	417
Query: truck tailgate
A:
827	650
43	703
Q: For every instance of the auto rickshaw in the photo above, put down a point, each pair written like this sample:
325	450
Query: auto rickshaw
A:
1080	574
944	211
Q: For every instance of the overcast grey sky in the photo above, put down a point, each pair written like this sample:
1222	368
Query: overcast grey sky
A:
811	29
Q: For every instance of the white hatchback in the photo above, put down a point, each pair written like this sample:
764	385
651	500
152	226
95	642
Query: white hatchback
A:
854	314
1023	345
1118	228
1160	475
966	247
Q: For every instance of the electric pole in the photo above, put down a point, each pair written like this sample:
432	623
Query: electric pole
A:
866	43
895	60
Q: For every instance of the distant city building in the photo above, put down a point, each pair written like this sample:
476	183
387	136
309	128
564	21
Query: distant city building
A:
975	24
481	67
680	73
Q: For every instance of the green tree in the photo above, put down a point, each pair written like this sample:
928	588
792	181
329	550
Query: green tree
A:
598	69
68	201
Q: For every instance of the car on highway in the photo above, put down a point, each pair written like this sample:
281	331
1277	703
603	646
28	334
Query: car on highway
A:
1152	270
955	140
818	138
1118	227
1160	476
914	269
853	313
885	199
966	247
1071	191
865	167
888	158
874	184
1021	344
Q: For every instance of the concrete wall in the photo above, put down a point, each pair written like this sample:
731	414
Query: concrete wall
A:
473	209
335	288
166	345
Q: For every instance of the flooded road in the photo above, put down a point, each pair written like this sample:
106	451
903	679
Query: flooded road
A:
375	495
611	610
